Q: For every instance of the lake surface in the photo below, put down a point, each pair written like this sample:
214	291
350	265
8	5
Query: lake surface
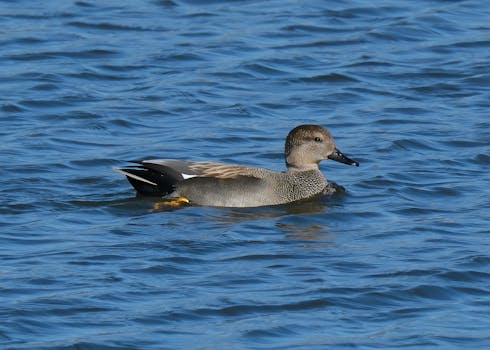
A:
401	259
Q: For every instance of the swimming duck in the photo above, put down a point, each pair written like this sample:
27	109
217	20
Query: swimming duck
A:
205	183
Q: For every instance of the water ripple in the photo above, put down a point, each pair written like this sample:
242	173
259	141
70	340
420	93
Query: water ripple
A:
398	257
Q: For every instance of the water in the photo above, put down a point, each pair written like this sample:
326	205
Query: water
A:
401	259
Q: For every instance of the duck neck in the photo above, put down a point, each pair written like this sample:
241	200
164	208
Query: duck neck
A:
298	161
302	167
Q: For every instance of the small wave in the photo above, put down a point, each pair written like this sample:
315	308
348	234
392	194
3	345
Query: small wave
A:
322	43
264	69
91	75
11	107
329	78
410	145
180	56
48	55
244	309
312	29
111	26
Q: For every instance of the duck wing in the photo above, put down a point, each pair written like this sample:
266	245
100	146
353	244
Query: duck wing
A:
159	177
189	169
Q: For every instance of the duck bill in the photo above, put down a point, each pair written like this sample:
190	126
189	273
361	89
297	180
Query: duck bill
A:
340	157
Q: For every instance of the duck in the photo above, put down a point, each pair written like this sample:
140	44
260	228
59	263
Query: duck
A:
209	183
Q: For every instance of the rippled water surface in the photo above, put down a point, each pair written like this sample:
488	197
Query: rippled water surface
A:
401	259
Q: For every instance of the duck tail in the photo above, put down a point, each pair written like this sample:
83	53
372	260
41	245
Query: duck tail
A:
150	180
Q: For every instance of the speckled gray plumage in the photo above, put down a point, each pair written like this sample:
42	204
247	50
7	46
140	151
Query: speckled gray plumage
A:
232	185
266	187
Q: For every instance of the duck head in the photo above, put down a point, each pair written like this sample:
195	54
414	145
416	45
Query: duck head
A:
308	145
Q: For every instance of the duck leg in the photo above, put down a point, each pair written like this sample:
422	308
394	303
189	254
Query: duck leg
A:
171	202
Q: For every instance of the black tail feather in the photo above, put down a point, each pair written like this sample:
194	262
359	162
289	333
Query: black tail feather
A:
164	182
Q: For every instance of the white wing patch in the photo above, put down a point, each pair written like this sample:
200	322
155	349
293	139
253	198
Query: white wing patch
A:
187	176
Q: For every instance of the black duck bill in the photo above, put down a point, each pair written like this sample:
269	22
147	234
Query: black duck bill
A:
340	157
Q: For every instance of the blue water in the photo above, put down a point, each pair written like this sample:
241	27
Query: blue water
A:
401	259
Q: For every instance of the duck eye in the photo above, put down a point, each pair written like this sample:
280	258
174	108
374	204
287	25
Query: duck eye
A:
318	139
